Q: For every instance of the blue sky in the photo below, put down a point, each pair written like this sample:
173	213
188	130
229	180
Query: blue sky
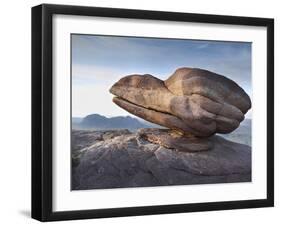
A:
99	61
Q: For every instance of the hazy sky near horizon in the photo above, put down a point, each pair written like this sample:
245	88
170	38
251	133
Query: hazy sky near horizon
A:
100	61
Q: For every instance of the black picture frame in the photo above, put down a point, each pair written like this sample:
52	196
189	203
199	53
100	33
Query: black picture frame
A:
42	107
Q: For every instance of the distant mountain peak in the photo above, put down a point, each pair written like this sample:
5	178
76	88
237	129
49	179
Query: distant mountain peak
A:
100	122
95	116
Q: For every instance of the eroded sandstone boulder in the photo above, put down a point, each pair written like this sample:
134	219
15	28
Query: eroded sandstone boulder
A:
191	101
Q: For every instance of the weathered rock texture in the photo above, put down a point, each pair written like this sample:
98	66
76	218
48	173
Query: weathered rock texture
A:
191	101
115	159
173	140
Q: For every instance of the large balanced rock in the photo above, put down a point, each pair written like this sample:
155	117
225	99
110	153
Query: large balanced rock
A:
110	159
191	101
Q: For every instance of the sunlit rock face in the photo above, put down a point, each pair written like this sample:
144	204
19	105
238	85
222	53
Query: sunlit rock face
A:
192	101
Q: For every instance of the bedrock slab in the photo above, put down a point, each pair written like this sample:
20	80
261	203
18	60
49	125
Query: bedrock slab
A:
124	159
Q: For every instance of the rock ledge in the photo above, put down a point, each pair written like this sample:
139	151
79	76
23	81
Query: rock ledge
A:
115	159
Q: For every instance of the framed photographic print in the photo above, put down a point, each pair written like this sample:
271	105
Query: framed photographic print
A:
145	112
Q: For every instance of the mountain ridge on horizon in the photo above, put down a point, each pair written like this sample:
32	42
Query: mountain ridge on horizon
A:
101	122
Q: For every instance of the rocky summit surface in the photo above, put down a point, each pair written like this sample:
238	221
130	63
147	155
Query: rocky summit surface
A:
120	158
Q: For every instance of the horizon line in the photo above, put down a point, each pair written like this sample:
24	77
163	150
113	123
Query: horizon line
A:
130	115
